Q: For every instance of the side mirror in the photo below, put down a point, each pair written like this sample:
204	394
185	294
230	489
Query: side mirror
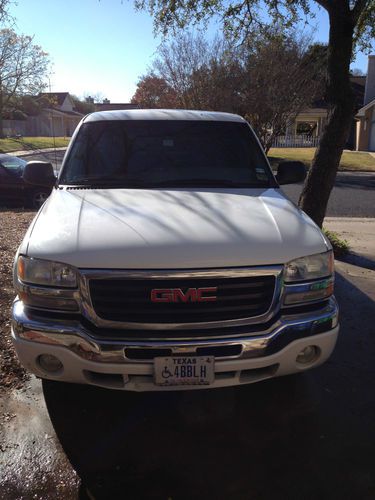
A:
289	172
39	173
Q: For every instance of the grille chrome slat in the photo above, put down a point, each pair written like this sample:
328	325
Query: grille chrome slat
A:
237	297
140	300
137	286
177	310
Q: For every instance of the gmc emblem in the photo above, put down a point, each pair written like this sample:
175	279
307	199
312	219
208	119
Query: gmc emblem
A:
190	295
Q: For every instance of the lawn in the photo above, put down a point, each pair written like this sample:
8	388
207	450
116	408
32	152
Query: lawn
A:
349	160
32	143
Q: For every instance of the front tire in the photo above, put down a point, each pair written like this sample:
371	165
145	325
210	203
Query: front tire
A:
37	198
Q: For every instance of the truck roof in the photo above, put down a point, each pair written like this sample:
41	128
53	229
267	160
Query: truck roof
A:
162	114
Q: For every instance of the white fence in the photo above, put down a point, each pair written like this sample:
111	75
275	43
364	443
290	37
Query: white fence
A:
30	127
295	141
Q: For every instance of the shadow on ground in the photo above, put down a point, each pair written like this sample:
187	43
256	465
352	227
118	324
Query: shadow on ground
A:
359	260
308	436
356	181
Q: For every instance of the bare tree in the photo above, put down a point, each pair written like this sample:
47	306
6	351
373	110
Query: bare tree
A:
219	84
269	79
4	14
181	58
95	97
23	68
284	73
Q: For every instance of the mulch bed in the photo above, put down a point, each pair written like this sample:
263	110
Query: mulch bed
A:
13	225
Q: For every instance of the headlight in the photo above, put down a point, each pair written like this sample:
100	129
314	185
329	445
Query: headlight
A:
312	267
46	273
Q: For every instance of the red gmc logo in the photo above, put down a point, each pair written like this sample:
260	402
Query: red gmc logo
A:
190	295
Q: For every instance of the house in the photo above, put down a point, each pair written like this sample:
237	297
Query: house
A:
59	117
106	105
365	133
307	127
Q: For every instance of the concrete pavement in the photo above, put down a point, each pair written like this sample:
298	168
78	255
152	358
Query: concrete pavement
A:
359	232
32	462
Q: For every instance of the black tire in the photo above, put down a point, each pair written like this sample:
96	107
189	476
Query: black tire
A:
36	198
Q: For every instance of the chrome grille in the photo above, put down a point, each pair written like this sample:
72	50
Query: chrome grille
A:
128	300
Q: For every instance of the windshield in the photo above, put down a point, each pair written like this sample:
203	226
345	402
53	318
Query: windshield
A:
13	164
148	154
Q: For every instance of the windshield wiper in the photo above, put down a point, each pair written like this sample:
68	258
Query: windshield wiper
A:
118	182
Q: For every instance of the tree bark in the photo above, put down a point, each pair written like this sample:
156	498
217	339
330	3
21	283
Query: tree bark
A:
321	177
1	114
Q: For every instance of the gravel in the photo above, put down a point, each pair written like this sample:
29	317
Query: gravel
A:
13	225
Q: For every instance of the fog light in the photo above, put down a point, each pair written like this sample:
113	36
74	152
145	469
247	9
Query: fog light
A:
50	363
308	355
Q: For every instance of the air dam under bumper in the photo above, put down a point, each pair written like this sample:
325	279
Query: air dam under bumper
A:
87	360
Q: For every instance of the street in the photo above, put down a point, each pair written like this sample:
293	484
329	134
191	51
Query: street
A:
352	196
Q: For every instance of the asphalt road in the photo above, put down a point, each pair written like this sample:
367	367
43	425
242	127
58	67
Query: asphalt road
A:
352	196
55	157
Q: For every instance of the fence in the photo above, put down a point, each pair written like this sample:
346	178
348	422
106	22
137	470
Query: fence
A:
29	127
43	125
295	141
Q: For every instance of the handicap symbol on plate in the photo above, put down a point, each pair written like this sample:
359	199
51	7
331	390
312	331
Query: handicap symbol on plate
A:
166	373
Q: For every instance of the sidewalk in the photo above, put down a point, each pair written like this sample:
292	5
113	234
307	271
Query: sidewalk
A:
30	152
358	231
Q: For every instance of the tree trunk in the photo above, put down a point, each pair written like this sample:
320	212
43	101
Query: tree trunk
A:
321	177
1	115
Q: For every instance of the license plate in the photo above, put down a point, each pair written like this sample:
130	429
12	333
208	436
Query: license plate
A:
180	370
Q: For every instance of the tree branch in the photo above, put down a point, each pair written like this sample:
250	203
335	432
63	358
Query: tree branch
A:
326	4
358	8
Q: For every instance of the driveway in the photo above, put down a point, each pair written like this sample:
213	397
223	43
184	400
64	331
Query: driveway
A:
307	436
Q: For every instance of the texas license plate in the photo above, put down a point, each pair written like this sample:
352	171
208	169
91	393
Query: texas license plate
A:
180	370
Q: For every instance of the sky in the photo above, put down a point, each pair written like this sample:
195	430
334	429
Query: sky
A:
103	46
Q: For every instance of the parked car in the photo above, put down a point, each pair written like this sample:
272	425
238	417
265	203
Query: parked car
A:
167	257
13	188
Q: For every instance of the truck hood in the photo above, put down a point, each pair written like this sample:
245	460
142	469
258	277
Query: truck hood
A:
171	228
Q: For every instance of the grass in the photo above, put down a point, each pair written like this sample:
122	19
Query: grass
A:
32	143
340	247
349	160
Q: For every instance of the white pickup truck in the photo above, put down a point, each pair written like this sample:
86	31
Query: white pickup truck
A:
167	257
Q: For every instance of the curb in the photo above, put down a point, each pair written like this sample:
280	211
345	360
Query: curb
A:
30	152
368	220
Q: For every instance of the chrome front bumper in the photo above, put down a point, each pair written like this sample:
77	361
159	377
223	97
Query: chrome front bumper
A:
86	355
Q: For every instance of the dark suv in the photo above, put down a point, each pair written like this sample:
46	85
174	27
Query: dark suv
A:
13	189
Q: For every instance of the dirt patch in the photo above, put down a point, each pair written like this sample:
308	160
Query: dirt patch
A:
13	225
